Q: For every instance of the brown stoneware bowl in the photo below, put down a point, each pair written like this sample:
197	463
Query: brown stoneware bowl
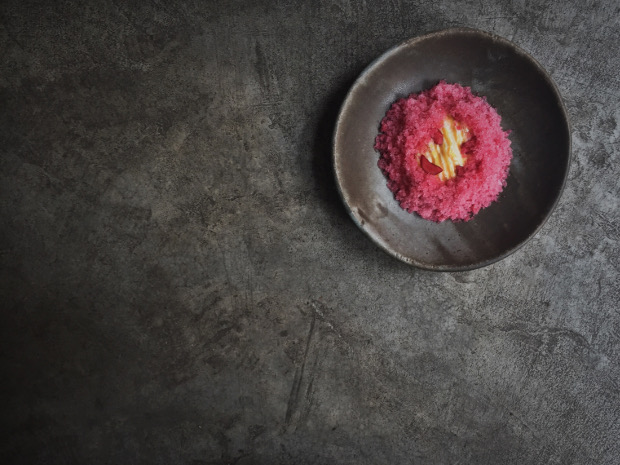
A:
530	106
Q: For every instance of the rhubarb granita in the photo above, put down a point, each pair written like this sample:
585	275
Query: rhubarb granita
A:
444	153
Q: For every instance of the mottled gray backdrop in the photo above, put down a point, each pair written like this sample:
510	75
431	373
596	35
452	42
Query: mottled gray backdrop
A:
181	285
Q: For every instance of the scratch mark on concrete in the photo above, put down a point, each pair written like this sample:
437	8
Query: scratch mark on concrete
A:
318	313
293	401
261	67
576	337
309	397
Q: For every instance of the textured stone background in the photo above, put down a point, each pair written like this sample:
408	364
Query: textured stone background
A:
181	285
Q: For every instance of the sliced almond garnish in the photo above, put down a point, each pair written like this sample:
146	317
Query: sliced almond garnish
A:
443	150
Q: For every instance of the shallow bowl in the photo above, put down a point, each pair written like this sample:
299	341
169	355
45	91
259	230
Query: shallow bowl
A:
531	107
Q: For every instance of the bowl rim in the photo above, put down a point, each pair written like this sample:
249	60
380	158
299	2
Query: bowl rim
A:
412	41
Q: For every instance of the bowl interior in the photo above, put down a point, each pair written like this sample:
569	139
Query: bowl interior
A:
530	107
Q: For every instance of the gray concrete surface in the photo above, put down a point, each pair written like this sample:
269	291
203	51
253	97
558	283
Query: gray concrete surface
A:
181	285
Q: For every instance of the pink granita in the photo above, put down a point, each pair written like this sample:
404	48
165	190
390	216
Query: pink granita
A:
411	128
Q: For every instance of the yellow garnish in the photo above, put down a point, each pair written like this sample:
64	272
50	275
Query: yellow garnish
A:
448	155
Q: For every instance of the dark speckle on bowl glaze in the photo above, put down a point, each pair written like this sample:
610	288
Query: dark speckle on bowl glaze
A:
530	106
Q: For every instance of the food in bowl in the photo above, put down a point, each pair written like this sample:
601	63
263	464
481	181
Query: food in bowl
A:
444	153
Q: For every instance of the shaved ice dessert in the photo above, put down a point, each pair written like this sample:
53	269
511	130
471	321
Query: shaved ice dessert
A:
444	153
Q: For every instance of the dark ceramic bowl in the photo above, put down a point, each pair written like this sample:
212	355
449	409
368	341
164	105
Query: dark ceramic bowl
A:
530	106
